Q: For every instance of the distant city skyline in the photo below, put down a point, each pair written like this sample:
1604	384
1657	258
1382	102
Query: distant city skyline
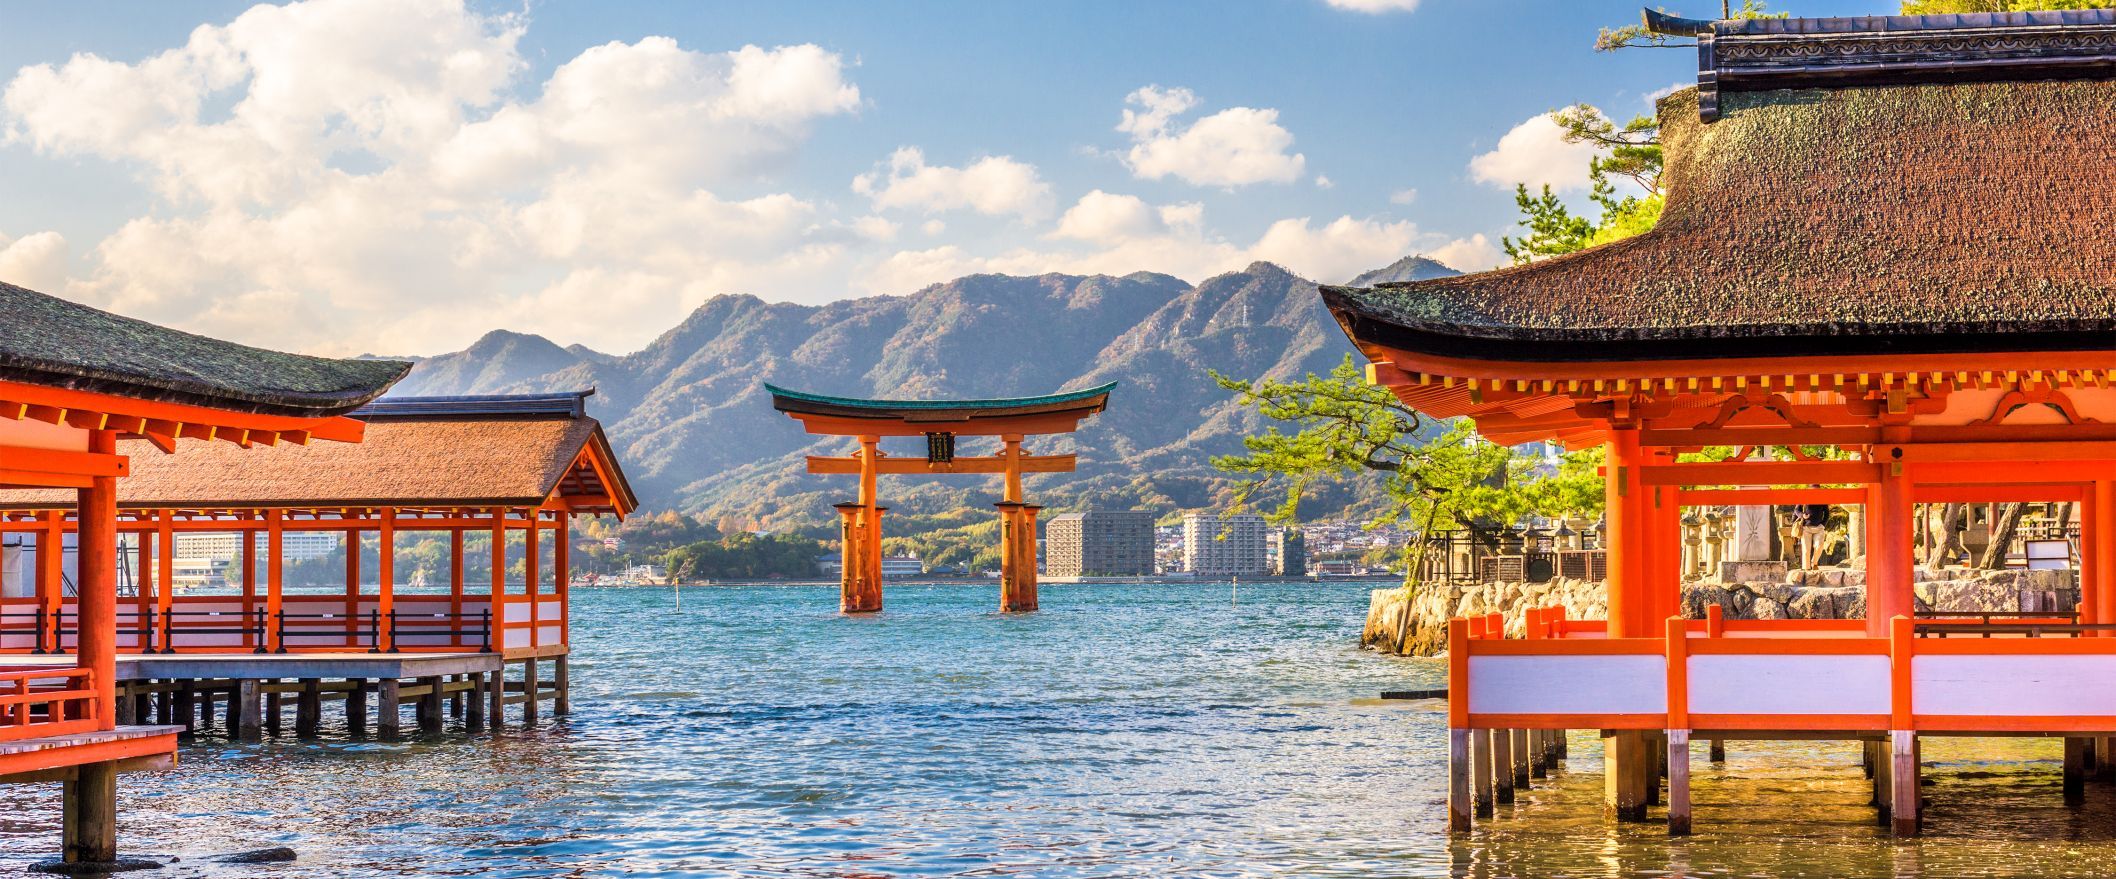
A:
401	176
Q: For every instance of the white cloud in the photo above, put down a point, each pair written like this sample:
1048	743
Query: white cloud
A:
1404	196
35	261
1535	153
933	227
1374	7
1124	234
1473	254
356	175
1234	147
993	185
1322	182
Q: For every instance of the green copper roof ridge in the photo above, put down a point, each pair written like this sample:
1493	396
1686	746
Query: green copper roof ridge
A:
999	403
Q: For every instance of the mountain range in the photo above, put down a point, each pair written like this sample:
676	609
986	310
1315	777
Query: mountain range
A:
695	430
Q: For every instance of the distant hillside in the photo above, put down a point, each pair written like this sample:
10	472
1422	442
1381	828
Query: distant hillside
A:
696	431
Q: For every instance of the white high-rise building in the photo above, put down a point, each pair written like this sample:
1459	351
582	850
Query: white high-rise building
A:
1224	546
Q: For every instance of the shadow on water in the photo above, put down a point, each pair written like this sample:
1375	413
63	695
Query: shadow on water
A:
1122	731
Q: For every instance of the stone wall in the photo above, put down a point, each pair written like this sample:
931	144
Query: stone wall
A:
1834	593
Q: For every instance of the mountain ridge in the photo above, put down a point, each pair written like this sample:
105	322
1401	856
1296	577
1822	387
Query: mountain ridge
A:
696	432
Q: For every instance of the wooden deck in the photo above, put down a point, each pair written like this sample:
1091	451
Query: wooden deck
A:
288	665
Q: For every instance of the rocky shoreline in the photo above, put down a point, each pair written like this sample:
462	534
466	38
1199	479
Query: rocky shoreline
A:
1831	593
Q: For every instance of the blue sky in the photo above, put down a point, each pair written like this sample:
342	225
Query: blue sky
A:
403	175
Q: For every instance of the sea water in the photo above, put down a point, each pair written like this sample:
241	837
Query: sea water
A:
1155	730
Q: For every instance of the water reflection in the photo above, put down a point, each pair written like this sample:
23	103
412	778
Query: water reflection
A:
1123	731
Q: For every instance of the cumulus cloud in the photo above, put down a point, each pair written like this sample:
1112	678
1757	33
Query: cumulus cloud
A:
35	261
1237	146
1473	254
1535	153
1374	7
1118	234
347	175
1403	196
993	185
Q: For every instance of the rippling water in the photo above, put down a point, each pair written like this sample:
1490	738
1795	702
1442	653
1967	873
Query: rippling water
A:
1122	731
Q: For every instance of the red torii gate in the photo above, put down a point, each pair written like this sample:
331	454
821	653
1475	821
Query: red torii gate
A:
940	422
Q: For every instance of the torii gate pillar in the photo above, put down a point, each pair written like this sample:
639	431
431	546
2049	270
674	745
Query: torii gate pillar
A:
1017	556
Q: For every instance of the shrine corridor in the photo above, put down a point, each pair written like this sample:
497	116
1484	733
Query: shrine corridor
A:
760	733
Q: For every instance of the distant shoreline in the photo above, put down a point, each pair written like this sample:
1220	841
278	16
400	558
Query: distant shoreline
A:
992	581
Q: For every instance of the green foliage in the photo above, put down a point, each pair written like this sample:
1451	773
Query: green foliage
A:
1434	474
1942	7
1553	229
745	556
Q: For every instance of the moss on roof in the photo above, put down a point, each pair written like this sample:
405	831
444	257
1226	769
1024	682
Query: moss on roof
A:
46	340
1886	218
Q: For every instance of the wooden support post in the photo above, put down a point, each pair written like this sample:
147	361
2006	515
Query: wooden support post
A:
386	578
1678	782
1564	749
249	704
308	707
1718	751
389	715
529	691
496	698
455	699
126	717
1539	753
1889	561
430	705
455	582
1904	785
562	678
165	707
356	706
1502	760
272	709
186	704
90	804
1458	780
1624	767
1481	771
499	579
2104	758
205	707
474	713
2075	783
1520	754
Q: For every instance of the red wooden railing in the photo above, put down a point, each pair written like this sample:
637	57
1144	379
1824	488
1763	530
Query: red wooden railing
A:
46	702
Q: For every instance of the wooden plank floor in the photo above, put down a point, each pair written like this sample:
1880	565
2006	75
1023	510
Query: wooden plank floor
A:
280	665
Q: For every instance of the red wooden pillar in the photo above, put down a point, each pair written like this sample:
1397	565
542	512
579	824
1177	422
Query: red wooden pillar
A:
352	582
499	582
1630	603
1627	754
143	591
51	591
532	572
96	582
165	586
386	575
562	575
246	561
455	581
851	557
1889	564
275	578
2103	538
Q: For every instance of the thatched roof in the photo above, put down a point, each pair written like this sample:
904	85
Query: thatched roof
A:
417	453
45	340
1911	218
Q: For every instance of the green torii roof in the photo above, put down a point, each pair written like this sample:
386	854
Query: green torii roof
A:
1091	400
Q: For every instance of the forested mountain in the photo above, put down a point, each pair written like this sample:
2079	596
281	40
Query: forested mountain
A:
696	431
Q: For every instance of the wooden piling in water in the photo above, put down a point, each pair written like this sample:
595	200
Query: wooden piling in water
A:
1718	752
1538	753
1520	754
186	705
308	708
89	803
430	704
248	708
1502	759
389	715
496	698
356	706
562	678
1678	782
529	691
1458	781
2075	783
1904	817
474	710
1481	770
1626	766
